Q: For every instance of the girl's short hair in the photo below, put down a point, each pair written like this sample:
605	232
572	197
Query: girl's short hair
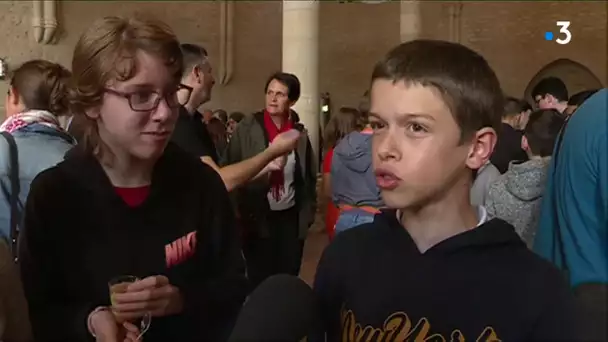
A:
106	52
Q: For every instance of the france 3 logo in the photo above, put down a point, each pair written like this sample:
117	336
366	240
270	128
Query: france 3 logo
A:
564	35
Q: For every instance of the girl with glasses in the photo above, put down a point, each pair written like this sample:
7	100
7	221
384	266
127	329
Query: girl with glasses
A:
127	204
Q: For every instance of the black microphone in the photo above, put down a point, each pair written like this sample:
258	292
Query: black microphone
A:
283	308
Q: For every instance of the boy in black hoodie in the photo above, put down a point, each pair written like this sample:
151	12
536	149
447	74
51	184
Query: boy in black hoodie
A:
434	267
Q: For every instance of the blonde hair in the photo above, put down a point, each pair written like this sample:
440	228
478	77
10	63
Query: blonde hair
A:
106	51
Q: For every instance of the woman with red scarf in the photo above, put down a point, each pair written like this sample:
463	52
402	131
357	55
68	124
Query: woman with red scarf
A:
276	211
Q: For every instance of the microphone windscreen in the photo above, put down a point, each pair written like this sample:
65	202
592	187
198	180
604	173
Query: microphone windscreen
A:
283	308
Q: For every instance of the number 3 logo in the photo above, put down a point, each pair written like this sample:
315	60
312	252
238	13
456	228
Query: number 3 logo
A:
564	29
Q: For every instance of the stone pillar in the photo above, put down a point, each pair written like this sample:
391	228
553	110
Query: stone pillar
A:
410	20
455	21
301	58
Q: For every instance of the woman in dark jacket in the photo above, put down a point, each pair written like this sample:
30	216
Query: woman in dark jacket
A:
276	211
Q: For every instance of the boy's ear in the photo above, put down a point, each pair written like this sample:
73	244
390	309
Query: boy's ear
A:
482	148
197	72
524	143
13	96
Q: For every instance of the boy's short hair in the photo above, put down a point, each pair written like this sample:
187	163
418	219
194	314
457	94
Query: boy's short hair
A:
514	106
553	86
193	55
542	130
462	77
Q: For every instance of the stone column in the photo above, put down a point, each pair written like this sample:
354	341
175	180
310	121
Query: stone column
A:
455	21
410	20
301	58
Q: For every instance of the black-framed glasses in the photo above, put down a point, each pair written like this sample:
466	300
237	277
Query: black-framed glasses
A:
148	100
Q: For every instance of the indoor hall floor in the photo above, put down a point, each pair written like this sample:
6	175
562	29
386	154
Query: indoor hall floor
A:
316	241
315	244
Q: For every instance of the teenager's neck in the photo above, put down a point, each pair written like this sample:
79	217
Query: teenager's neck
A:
509	121
561	107
279	120
182	97
442	219
127	172
190	108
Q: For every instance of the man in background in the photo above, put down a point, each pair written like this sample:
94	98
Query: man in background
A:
508	147
551	93
191	134
516	197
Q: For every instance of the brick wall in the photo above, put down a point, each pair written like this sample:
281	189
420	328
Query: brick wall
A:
352	38
511	36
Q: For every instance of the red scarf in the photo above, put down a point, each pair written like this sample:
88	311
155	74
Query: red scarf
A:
277	178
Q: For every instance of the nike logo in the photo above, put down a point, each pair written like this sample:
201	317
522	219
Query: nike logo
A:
180	250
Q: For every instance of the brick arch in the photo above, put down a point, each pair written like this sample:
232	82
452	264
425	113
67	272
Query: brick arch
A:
576	76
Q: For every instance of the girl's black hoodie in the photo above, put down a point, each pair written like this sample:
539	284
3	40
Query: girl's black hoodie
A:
78	234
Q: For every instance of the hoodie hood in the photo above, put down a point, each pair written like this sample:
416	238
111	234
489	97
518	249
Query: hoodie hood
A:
353	181
488	235
354	150
491	234
83	167
526	181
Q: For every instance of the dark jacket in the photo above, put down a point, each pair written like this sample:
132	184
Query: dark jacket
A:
508	148
191	134
79	234
373	284
249	139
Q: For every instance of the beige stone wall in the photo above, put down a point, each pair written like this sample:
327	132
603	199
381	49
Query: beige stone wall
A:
197	22
511	37
257	41
352	38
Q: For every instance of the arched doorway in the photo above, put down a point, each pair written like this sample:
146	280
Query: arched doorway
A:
576	76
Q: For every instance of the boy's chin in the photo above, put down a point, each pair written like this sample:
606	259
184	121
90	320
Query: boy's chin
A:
396	200
404	200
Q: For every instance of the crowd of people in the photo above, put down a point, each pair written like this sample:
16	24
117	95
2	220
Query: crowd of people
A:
454	212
